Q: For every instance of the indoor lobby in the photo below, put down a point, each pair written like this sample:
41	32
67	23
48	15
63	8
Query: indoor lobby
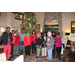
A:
59	22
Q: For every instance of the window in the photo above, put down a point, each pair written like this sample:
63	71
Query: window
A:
73	26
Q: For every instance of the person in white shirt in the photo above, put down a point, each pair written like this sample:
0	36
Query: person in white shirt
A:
72	39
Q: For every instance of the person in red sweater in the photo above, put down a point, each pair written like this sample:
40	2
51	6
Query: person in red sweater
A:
33	37
16	45
27	44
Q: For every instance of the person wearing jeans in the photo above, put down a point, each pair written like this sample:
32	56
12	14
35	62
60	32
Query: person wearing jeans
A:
22	35
50	45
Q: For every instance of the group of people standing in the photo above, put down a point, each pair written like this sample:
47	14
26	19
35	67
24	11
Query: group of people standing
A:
43	44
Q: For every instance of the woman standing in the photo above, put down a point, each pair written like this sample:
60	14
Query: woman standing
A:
54	35
16	45
58	46
38	43
12	45
27	44
33	37
49	44
44	46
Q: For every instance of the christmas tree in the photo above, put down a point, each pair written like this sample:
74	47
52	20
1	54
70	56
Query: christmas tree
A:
29	23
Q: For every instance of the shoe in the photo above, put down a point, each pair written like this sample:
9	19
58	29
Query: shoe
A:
57	57
36	57
9	59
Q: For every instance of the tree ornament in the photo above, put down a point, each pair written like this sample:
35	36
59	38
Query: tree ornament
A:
33	23
30	25
26	27
34	16
34	27
31	30
27	14
14	13
24	23
29	18
33	19
23	28
25	18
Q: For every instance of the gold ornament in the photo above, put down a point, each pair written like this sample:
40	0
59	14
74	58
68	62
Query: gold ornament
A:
24	16
34	16
30	25
34	27
33	19
29	18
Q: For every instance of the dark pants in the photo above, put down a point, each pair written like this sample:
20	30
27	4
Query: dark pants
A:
12	47
27	50
58	49
33	47
54	51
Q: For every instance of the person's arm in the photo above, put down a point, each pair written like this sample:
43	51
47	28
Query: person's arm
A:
70	37
52	42
3	37
24	41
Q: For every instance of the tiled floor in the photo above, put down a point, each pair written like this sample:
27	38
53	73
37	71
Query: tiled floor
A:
32	58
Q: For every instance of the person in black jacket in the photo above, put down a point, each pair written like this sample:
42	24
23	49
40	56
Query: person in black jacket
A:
54	35
38	44
44	46
7	39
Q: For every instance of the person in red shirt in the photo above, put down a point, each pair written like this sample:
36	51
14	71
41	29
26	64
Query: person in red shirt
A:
27	44
33	37
16	45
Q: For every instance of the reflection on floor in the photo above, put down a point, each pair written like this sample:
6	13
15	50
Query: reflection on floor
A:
69	58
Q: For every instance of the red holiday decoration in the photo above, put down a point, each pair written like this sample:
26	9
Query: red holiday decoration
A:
33	23
31	30
14	13
56	32
23	28
24	23
14	29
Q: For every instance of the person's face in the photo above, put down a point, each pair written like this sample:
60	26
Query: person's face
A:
22	31
49	34
38	35
8	29
28	34
53	33
33	32
44	34
13	32
57	35
17	34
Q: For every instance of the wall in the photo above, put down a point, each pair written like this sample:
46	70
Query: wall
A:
40	19
67	17
3	19
14	22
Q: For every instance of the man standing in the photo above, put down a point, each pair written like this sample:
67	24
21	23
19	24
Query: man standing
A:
22	35
72	39
7	39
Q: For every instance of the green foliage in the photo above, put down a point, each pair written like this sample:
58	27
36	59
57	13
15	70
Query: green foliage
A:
29	22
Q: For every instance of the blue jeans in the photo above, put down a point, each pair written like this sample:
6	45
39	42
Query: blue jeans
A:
49	53
21	47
